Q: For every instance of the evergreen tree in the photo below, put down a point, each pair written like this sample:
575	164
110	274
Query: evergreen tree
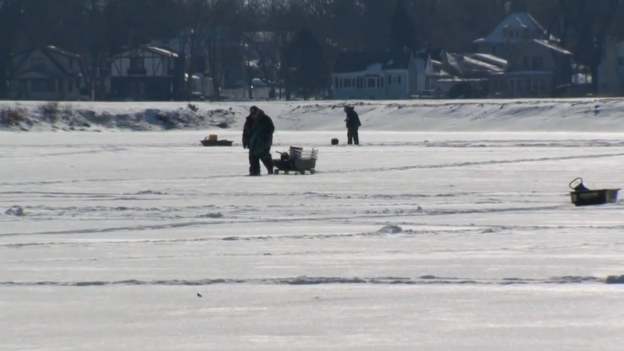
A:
512	6
306	65
10	13
402	30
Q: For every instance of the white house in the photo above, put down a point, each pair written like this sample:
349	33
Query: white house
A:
379	75
516	29
144	61
145	73
426	75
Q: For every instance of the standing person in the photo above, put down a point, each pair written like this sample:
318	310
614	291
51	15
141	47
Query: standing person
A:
258	138
353	124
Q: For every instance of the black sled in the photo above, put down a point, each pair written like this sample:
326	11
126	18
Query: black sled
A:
212	140
297	161
582	196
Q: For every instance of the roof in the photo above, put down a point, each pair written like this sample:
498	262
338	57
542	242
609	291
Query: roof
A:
515	20
61	51
556	48
158	51
462	65
359	61
48	49
552	47
161	51
490	59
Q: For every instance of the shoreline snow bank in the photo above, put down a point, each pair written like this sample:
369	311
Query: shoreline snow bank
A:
522	115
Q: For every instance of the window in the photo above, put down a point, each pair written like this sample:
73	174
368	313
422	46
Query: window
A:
525	62
337	82
347	82
137	62
543	85
370	82
37	63
360	82
399	80
389	80
42	85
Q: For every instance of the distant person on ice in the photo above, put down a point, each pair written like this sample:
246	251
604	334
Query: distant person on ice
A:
353	124
258	138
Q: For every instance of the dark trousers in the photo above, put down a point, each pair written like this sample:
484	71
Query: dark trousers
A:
254	162
352	136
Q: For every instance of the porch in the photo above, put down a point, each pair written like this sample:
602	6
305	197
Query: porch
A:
39	86
523	84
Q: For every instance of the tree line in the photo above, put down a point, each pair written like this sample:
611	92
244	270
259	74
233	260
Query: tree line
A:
305	34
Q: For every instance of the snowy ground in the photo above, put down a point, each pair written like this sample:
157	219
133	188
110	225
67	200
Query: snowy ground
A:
430	241
522	115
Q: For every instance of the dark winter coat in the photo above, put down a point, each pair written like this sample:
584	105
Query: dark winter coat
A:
353	120
258	134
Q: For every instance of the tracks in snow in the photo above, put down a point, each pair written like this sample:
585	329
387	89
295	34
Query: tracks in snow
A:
371	215
341	171
304	280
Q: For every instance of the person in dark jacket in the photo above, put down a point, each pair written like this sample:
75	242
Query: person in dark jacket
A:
353	124
258	138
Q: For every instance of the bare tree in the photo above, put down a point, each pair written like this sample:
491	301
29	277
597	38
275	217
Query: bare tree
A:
251	73
265	48
10	11
214	37
591	21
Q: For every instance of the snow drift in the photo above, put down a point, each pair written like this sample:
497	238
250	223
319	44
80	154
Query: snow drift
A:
562	115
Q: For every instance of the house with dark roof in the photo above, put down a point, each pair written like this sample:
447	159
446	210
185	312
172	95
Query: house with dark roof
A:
146	72
379	74
516	29
47	73
537	68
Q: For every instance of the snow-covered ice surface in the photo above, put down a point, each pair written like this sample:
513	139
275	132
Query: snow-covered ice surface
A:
411	241
521	115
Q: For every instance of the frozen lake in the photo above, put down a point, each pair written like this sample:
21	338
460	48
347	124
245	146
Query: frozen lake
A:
411	241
